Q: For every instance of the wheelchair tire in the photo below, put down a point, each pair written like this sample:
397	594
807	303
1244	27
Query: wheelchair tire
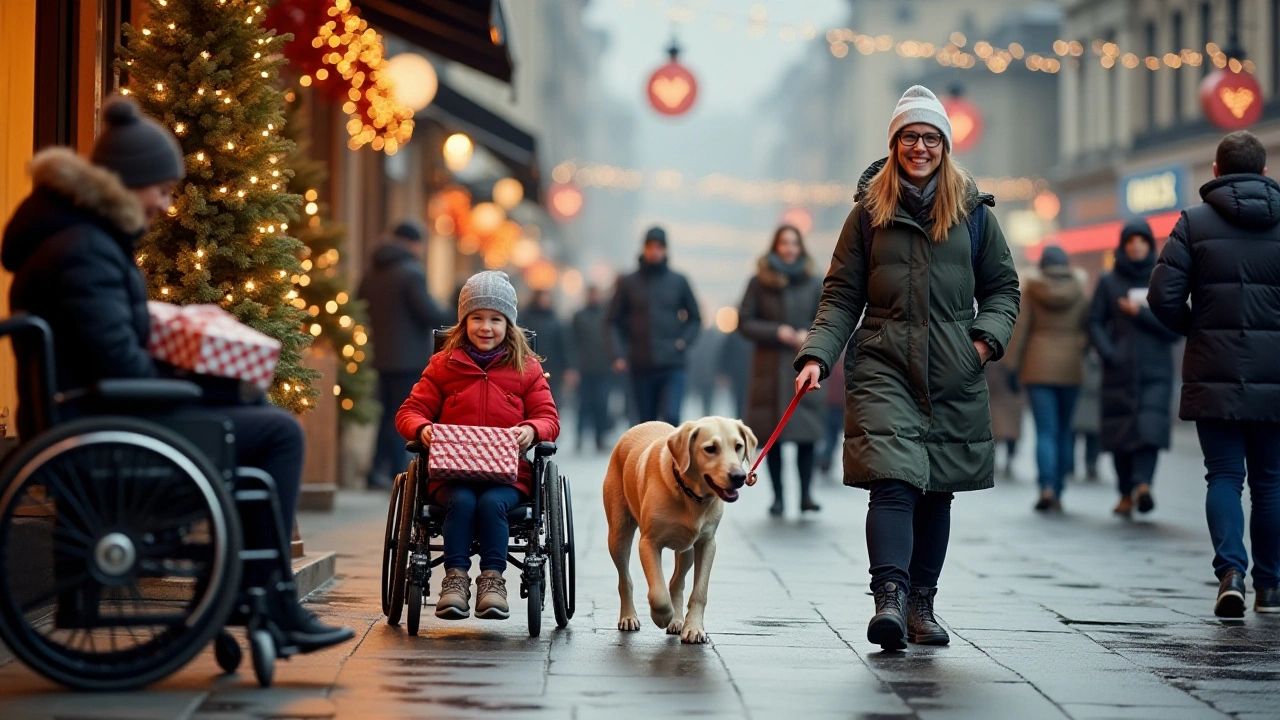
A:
554	491
570	552
415	609
227	652
404	536
263	650
81	536
389	541
534	590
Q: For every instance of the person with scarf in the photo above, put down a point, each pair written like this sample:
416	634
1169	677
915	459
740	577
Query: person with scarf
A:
1137	368
777	310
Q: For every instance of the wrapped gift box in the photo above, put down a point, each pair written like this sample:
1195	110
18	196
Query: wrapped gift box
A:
208	340
482	454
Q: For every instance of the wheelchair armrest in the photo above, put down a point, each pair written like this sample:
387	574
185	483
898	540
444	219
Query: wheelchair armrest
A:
544	449
415	447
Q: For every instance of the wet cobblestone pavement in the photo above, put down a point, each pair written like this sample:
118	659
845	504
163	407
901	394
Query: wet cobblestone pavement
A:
1081	616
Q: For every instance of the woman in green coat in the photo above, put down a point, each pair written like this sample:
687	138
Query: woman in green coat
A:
923	256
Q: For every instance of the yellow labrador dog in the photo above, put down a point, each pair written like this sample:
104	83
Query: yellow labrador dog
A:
672	484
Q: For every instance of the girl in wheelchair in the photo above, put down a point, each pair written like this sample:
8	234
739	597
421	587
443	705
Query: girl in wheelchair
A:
486	375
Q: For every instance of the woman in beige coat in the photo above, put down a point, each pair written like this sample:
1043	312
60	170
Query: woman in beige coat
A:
1046	355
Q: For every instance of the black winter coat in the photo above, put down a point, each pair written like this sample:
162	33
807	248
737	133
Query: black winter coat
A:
70	247
1224	254
552	340
590	349
1137	360
401	313
655	318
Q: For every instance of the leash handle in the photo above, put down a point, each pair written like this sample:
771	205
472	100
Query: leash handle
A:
786	417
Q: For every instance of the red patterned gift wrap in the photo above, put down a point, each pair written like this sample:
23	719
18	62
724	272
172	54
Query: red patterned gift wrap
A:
208	340
481	454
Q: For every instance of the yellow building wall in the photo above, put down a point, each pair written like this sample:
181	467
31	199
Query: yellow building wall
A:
17	117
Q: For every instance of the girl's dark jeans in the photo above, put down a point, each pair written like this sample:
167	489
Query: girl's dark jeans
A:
477	511
907	534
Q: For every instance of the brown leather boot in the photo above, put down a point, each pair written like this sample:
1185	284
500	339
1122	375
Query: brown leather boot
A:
1124	508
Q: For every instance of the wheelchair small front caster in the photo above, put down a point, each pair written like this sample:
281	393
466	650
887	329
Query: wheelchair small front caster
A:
263	650
227	651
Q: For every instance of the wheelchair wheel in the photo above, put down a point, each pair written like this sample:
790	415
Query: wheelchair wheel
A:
389	541
534	590
554	490
404	533
119	553
227	652
570	551
263	650
415	609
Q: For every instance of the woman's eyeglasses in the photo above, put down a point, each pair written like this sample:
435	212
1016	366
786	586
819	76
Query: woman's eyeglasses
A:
909	139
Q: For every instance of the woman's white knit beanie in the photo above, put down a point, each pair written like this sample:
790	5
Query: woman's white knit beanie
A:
919	105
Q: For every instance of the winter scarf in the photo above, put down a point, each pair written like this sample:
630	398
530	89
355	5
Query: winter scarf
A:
794	272
484	359
917	201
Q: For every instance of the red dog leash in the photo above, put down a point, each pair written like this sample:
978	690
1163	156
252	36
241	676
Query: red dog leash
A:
786	417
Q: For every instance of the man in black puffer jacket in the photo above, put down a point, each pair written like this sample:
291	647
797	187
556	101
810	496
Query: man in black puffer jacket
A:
70	246
1224	255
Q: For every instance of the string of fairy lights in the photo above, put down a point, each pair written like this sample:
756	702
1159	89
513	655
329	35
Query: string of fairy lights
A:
956	52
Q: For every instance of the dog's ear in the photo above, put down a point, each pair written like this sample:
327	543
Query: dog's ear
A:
679	443
750	437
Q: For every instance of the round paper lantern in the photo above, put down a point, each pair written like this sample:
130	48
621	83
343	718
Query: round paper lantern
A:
414	80
508	192
1231	100
966	123
672	88
564	201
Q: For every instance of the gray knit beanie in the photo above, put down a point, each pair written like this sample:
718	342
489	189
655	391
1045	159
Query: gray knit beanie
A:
135	147
488	290
919	105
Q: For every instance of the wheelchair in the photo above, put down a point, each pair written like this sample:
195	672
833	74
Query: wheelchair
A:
123	532
541	532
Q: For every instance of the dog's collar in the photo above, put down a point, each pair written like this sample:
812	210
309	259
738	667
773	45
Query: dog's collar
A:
687	490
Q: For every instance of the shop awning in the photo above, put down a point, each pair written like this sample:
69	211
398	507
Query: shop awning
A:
511	145
471	32
1103	236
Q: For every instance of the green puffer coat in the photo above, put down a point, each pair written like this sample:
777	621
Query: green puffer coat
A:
916	398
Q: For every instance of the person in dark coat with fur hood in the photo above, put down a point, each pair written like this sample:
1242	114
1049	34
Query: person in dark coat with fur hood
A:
1137	368
777	311
70	247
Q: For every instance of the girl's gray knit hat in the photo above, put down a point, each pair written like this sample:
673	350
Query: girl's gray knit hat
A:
488	290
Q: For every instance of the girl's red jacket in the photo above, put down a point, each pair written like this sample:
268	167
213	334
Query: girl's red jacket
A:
454	390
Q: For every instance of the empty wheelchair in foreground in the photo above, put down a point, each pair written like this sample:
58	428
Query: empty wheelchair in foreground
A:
541	540
125	532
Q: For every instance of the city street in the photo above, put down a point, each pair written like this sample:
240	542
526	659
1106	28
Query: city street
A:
1081	616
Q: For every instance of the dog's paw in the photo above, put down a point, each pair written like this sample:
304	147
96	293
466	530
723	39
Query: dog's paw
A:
662	616
675	627
693	635
629	624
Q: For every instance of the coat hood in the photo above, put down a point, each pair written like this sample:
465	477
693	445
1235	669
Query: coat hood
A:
1245	200
973	196
771	278
1140	270
69	191
391	254
1055	287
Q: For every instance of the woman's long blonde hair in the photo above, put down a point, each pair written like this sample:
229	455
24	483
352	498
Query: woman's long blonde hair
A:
884	191
517	355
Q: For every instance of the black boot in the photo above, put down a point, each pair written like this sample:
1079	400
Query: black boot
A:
1230	602
922	626
777	508
300	626
888	627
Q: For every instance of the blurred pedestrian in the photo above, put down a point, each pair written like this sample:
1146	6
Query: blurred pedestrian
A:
1007	408
734	362
704	371
1047	356
591	358
402	316
552	341
1137	370
1087	424
918	248
777	311
1224	254
655	320
832	447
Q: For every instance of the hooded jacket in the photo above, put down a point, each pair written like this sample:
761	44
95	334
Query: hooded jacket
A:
772	299
70	247
1049	339
402	315
1224	255
654	318
1137	355
916	398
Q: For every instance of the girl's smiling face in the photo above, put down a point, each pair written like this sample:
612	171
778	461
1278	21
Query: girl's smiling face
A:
486	329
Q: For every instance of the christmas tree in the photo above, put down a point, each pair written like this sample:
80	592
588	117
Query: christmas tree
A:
334	315
208	70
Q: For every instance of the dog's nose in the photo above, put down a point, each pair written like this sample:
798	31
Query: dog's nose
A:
738	477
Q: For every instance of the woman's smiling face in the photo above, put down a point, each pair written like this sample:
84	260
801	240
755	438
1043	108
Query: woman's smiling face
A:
919	161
